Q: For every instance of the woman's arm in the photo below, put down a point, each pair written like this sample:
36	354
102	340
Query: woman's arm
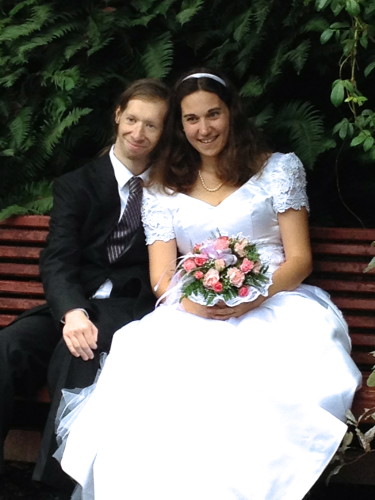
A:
163	255
297	266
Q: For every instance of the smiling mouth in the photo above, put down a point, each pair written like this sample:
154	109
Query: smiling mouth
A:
135	145
207	141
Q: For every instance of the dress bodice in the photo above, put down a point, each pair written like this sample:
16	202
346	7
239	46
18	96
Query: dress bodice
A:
251	210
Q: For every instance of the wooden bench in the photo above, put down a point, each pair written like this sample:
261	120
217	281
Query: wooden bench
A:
340	256
21	241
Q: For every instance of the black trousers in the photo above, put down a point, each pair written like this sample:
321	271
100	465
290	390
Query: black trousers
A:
31	352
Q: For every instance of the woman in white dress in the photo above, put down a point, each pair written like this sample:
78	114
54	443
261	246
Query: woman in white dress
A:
219	402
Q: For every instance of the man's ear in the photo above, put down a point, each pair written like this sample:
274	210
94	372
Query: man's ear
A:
118	113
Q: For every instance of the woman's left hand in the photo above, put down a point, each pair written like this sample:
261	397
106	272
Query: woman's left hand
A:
222	312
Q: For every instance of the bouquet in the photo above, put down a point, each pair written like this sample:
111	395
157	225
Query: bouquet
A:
225	269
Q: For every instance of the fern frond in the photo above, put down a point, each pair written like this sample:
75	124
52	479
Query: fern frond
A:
261	12
188	10
317	24
303	124
19	128
95	37
19	6
158	55
243	26
252	88
298	56
164	6
264	117
142	5
10	79
142	20
65	80
55	130
43	40
40	15
75	44
33	198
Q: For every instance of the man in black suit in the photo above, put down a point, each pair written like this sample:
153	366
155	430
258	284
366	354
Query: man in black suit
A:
91	289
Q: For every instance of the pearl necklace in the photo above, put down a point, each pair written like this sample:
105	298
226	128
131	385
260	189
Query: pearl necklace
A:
211	190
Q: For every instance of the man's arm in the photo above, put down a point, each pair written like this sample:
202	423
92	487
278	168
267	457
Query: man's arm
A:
60	265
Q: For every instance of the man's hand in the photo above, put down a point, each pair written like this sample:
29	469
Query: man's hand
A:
80	334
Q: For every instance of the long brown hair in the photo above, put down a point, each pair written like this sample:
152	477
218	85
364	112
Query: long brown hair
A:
242	157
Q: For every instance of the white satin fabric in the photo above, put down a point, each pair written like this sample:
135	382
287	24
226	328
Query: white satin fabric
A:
194	409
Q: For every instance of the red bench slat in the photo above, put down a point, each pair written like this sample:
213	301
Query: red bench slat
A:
23	270
21	287
12	252
19	304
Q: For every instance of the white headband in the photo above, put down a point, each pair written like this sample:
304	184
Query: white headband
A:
206	75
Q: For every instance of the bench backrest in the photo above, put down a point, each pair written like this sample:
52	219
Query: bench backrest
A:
340	257
21	241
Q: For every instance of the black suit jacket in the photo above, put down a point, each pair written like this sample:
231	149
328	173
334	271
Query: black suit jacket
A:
74	264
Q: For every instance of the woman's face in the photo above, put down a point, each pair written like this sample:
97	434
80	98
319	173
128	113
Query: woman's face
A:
205	120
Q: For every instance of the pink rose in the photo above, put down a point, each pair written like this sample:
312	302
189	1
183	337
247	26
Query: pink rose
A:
247	265
219	264
236	276
198	275
243	291
202	259
221	243
197	247
218	287
189	265
240	246
211	278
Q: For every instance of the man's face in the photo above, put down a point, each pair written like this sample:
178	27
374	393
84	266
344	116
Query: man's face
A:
140	125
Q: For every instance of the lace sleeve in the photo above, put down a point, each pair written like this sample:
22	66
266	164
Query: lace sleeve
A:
287	182
156	217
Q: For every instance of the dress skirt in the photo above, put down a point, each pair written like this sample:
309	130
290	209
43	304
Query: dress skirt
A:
186	408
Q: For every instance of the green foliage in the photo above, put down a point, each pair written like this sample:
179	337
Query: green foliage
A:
357	442
62	65
34	198
302	124
353	33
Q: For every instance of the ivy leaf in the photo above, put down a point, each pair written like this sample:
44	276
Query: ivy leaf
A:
368	143
338	93
371	379
326	35
352	7
322	4
369	68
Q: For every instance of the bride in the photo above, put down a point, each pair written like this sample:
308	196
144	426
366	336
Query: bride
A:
242	399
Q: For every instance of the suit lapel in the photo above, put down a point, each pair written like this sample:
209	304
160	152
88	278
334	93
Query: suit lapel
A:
105	193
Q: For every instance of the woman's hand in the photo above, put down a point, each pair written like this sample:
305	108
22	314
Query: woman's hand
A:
221	311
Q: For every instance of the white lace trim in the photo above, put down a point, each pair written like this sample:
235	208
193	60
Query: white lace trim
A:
157	218
286	179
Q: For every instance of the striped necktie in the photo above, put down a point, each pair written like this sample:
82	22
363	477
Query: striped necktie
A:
121	236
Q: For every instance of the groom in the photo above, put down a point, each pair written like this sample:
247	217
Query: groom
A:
94	270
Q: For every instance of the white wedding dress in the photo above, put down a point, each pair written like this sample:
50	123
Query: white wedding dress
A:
252	408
